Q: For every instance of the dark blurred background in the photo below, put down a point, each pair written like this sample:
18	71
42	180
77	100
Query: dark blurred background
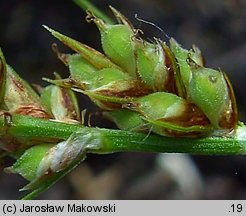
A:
218	28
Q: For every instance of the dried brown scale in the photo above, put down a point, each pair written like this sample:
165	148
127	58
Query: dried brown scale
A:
136	89
33	111
196	116
170	83
68	103
192	116
63	57
16	83
229	120
194	134
70	82
173	74
7	118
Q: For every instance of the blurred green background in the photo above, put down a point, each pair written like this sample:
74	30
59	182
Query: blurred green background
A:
218	28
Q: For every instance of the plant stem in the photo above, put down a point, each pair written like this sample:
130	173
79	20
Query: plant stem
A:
28	127
124	141
87	5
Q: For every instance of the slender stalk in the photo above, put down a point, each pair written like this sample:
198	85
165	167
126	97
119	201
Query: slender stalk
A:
121	141
28	127
87	5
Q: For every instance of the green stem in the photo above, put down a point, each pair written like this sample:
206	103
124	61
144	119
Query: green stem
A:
87	5
127	141
28	127
121	141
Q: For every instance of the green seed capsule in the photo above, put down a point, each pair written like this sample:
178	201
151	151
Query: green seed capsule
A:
170	115
28	163
108	76
82	72
208	89
117	43
161	102
151	65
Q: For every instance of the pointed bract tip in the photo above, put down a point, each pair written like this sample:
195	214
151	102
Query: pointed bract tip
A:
46	27
121	18
50	30
56	34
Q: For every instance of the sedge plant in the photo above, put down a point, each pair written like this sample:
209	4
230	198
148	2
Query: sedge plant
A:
161	96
